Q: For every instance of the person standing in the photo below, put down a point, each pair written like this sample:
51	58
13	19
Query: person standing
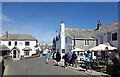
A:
65	57
47	57
74	60
116	62
88	61
58	57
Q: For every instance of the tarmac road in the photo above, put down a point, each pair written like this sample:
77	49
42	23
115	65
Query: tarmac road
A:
37	66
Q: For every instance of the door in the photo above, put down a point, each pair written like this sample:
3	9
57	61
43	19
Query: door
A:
14	54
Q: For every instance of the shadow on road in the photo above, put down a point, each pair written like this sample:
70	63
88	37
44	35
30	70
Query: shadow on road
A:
3	69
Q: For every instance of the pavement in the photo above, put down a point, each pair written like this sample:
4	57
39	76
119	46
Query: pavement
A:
37	66
95	73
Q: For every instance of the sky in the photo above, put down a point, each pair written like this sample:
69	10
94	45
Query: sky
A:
42	19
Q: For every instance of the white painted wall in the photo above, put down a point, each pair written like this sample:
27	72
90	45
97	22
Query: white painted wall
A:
21	46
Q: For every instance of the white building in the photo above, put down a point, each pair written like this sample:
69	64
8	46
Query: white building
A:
19	44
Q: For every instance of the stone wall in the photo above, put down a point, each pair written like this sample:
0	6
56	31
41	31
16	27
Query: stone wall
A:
81	44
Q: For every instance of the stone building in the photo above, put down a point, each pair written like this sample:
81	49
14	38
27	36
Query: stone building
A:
70	38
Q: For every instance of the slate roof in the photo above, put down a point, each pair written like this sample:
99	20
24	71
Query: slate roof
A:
18	37
4	48
89	34
107	28
79	33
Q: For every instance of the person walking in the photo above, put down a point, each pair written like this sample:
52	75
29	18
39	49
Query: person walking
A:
47	57
65	57
69	58
88	61
54	57
58	58
116	62
74	60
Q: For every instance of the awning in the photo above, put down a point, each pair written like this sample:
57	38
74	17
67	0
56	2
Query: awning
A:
102	47
27	49
77	49
4	48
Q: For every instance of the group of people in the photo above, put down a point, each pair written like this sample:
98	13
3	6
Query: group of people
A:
56	57
71	58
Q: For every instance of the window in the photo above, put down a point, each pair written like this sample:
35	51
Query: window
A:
109	37
114	36
9	43
86	42
27	43
27	53
15	43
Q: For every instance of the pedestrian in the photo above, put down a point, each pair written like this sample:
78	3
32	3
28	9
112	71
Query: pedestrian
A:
69	58
88	61
54	57
47	57
65	57
58	58
116	62
74	60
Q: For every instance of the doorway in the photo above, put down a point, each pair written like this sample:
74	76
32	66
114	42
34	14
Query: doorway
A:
14	54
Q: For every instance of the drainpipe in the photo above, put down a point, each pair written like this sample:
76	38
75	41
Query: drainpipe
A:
74	43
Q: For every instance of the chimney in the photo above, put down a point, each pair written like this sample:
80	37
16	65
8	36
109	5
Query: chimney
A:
99	25
6	35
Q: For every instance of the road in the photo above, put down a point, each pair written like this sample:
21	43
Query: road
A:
37	66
